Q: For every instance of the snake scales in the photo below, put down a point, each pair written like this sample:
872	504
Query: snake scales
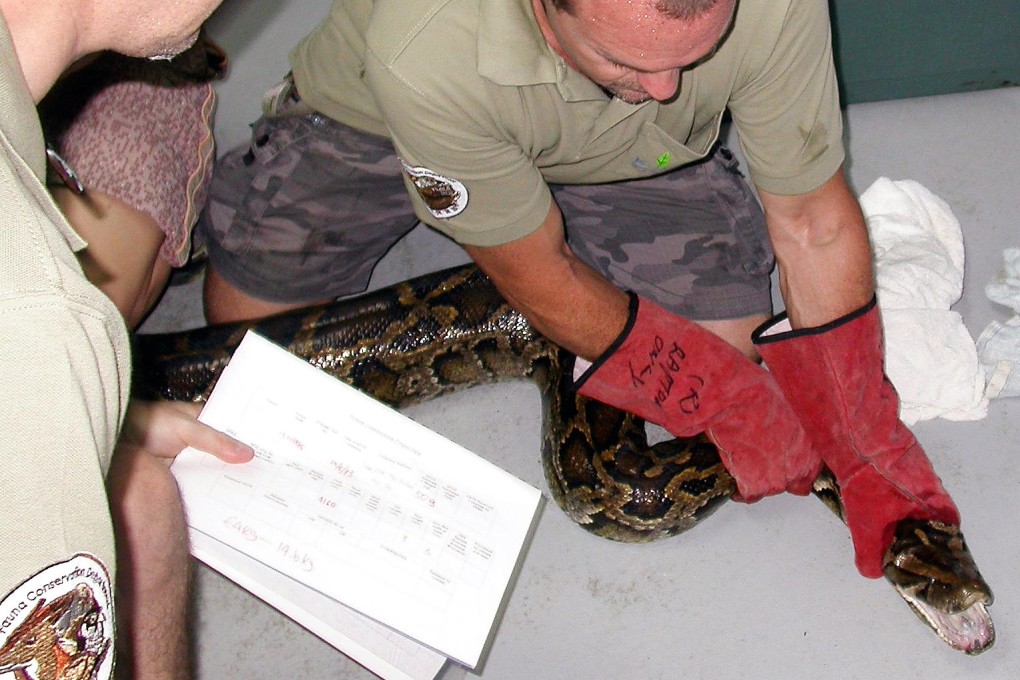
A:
450	330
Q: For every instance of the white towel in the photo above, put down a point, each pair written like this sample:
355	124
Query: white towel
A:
931	358
999	343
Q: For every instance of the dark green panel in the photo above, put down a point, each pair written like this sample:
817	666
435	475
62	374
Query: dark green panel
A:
890	49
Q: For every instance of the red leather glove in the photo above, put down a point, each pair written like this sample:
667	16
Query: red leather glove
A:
674	373
834	379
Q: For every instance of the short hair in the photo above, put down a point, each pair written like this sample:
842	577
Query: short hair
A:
674	9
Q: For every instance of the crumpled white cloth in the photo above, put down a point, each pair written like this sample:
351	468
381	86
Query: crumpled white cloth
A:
998	345
931	358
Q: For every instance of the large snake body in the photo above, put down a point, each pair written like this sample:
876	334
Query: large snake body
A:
446	331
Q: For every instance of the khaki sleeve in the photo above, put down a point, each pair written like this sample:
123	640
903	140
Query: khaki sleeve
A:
787	112
466	175
59	430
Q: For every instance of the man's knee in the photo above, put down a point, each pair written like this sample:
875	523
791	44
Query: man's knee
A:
737	332
226	303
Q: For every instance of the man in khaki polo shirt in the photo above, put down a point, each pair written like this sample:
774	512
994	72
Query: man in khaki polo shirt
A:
93	542
571	147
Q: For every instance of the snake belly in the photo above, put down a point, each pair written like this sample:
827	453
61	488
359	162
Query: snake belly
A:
442	332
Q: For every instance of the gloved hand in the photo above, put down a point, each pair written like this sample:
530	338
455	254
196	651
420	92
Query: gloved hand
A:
674	373
834	379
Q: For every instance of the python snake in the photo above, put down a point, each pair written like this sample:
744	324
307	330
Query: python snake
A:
442	332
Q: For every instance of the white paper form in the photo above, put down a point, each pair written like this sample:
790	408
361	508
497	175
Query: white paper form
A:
359	502
381	650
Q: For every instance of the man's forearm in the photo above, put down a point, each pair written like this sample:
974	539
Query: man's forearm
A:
566	300
570	303
833	376
585	314
823	252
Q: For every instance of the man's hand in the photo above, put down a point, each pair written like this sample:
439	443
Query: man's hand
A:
762	444
670	371
164	429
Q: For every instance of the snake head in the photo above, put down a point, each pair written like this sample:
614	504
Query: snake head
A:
931	560
929	565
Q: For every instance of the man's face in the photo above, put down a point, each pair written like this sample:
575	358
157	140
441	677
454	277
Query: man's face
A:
153	28
631	49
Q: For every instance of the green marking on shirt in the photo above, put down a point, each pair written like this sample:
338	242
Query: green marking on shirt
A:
663	160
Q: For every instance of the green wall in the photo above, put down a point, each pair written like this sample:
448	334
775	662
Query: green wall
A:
890	49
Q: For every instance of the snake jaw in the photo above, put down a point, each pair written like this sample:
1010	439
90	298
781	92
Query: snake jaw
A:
970	631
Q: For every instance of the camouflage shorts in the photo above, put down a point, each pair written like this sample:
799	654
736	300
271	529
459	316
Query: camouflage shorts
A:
308	209
693	240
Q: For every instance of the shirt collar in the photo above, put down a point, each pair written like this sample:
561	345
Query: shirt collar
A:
21	128
512	51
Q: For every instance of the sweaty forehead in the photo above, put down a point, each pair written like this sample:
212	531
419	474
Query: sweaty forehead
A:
637	34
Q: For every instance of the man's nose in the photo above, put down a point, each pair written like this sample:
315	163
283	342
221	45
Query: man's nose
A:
660	85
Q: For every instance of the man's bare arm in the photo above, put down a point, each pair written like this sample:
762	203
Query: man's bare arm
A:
566	300
822	249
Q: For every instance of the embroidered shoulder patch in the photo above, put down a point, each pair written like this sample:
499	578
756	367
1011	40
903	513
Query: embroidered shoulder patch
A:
60	623
444	197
